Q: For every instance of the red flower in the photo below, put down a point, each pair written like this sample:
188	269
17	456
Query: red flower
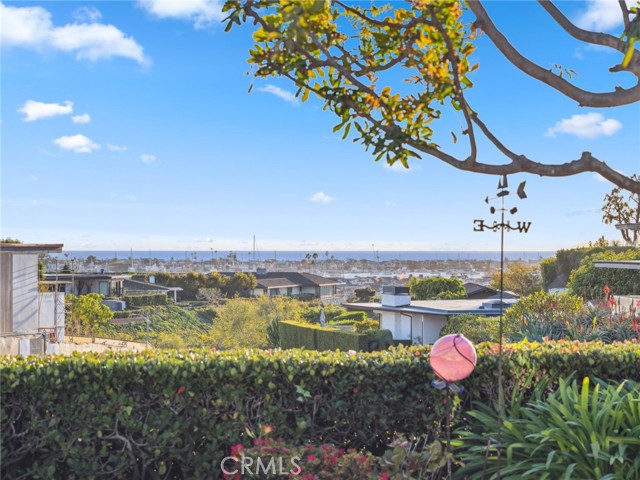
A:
384	476
311	458
363	458
236	449
180	390
606	289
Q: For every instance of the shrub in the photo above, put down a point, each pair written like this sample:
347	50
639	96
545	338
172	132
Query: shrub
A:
176	414
379	340
432	288
331	312
351	316
476	328
315	337
146	299
366	325
577	432
590	281
550	308
403	459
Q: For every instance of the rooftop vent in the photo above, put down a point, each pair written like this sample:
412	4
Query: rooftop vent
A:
395	296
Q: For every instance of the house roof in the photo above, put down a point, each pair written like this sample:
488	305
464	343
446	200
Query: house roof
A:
298	278
276	283
440	307
31	247
626	264
475	288
131	284
290	279
86	276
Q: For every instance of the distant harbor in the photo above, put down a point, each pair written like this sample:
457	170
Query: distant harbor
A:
292	255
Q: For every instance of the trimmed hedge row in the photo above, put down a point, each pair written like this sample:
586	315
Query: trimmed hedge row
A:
175	415
355	316
315	337
146	299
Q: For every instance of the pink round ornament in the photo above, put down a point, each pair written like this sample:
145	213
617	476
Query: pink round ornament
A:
453	357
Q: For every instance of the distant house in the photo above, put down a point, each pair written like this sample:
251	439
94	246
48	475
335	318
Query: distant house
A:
140	286
476	291
420	321
22	307
107	284
295	283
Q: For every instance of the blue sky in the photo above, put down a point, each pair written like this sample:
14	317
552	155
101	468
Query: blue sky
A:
129	125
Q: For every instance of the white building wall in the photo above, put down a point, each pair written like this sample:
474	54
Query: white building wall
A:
25	292
50	314
399	325
426	328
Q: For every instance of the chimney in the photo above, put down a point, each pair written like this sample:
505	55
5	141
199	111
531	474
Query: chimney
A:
395	296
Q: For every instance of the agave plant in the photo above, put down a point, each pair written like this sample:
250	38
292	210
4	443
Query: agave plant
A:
577	432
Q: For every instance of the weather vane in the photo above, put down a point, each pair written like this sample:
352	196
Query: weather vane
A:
522	227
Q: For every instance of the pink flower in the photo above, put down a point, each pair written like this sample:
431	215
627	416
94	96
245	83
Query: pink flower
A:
311	458
236	449
363	458
384	476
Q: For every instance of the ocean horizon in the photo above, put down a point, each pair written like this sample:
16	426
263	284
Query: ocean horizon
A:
299	255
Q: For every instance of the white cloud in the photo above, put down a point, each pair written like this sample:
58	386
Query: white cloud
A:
116	148
146	158
603	15
589	125
84	118
321	197
37	110
202	13
87	14
280	93
77	143
32	28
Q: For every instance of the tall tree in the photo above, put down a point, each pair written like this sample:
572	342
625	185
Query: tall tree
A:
622	209
87	311
519	277
436	288
312	43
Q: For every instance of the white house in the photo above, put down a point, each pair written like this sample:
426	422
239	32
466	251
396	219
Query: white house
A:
23	309
295	283
420	321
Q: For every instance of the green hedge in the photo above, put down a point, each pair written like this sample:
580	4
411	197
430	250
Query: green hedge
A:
145	299
354	316
175	414
315	337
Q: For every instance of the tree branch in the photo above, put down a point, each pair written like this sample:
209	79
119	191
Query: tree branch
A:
587	36
618	97
625	14
466	110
